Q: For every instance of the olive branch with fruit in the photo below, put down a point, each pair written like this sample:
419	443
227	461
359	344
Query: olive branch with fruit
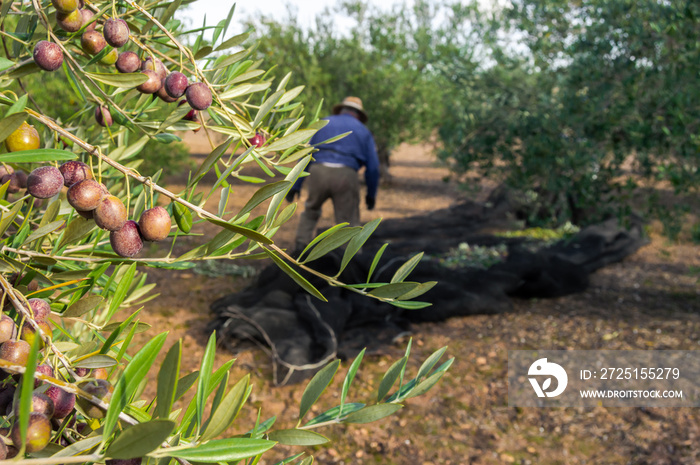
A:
71	260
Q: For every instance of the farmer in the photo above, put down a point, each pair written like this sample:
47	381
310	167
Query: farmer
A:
333	172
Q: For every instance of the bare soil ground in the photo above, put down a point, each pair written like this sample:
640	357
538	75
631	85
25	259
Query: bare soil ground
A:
649	301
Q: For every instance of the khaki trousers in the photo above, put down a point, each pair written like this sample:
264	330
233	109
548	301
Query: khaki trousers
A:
340	184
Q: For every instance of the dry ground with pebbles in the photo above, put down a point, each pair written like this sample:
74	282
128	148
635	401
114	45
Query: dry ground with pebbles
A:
649	301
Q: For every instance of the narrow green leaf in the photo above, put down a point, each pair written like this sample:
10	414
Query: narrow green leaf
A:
227	411
210	161
299	279
263	194
119	79
5	8
375	261
405	269
331	242
430	362
9	217
76	230
80	447
291	178
96	361
103	53
228	22
203	52
10	124
425	385
185	383
372	413
222	450
4	62
322	236
333	139
18	106
130	380
183	217
289	460
418	291
297	437
122	288
286	214
357	242
51	212
24	70
316	386
267	107
233	41
43	231
25	399
392	291
333	414
410	305
169	12
204	377
291	140
168	380
349	378
390	377
290	95
249	233
141	439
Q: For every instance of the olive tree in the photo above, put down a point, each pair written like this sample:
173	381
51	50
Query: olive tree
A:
77	208
579	103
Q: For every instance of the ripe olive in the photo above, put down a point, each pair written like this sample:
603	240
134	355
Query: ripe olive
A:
158	67
92	42
155	224
74	171
87	17
85	195
40	308
103	116
198	96
8	329
41	403
44	182
63	401
116	32
110	213
176	84
153	83
15	352
128	62
48	55
127	241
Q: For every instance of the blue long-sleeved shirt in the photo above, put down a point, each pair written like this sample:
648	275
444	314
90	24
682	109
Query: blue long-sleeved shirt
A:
354	150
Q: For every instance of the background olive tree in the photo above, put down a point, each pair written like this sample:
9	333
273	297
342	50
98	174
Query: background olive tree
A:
578	104
72	291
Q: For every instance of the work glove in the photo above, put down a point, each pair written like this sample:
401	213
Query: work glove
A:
291	194
369	201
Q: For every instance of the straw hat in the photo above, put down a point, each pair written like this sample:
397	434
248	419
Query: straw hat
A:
354	103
